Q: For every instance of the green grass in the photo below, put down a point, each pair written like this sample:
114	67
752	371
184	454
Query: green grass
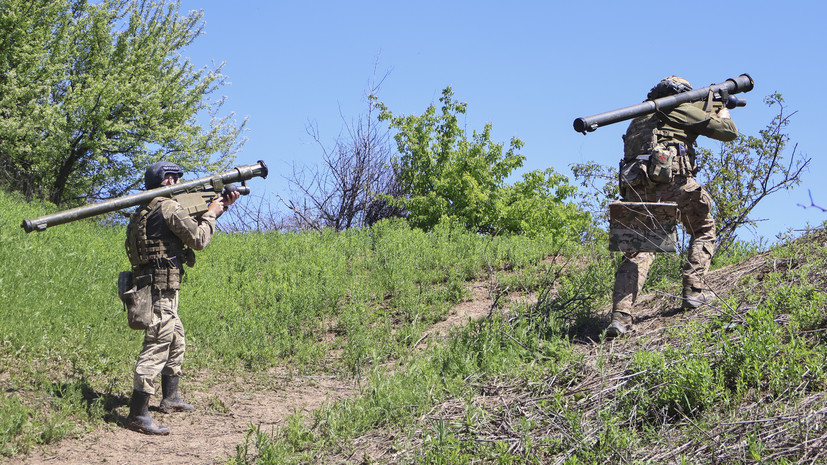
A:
253	301
744	384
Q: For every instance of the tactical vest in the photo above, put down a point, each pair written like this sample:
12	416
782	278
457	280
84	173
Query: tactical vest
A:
648	135
152	248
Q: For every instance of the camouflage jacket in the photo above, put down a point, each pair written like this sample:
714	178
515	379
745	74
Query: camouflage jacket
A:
688	122
670	136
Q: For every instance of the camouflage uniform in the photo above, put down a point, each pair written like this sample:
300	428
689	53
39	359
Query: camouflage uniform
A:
160	239
164	343
675	133
695	206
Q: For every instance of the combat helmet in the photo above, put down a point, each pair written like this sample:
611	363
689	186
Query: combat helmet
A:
158	171
669	86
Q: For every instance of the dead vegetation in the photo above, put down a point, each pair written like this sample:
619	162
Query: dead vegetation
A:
588	403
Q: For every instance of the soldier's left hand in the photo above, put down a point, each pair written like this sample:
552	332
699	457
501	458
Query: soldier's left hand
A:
230	198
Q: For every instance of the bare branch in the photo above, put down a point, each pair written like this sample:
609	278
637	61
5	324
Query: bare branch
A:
344	190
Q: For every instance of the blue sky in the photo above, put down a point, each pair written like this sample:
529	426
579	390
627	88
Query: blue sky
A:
529	68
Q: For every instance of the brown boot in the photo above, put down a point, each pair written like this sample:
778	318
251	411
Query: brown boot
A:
620	325
694	297
139	419
171	402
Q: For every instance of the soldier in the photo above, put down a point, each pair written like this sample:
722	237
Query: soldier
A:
161	237
665	142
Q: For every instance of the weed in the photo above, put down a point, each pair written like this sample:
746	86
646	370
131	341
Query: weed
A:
215	404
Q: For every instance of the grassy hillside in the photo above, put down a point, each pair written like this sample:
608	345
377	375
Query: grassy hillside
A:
742	381
253	301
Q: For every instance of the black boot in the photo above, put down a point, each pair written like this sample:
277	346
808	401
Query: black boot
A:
139	419
171	402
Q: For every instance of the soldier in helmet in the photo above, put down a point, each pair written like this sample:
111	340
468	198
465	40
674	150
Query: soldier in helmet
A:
665	142
161	237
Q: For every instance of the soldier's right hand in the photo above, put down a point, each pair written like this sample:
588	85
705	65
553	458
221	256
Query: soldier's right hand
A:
216	207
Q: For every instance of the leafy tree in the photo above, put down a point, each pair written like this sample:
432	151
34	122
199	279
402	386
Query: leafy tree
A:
537	205
601	187
738	177
444	174
92	93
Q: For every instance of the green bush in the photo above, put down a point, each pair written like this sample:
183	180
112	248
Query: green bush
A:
670	385
445	174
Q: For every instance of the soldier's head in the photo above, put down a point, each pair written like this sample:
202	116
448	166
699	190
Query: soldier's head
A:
157	173
669	86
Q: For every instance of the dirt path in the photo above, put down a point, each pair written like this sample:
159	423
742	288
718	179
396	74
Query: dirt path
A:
209	435
224	412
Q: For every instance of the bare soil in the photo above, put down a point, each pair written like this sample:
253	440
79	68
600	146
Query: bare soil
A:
224	412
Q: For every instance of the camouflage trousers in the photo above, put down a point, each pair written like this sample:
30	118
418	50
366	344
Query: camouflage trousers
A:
695	209
164	344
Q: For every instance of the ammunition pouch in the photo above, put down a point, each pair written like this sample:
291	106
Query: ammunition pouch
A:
684	163
166	279
136	295
164	273
633	173
660	166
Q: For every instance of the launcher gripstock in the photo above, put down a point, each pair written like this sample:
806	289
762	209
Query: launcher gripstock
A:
716	96
195	196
